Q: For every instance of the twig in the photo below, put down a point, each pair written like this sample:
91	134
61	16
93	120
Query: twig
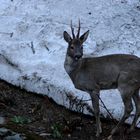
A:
107	109
11	34
80	105
46	47
77	103
9	62
32	47
104	106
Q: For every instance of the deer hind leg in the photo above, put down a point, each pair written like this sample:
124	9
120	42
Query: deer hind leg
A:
126	95
95	103
136	99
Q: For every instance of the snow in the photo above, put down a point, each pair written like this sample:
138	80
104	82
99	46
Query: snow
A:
32	49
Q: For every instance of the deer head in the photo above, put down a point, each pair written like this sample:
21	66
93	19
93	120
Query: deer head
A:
75	43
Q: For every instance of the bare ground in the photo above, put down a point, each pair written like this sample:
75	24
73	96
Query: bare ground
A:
39	118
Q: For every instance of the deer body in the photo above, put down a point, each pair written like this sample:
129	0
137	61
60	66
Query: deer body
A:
103	72
93	74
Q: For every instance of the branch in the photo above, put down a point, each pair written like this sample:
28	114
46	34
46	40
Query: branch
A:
9	62
107	109
31	45
11	34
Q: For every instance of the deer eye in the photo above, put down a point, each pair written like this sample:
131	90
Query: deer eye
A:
72	47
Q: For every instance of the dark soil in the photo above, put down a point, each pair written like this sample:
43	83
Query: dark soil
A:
48	121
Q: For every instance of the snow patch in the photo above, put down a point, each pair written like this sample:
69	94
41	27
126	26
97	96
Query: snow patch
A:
32	49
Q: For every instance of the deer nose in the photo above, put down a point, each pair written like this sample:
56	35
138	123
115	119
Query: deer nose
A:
78	56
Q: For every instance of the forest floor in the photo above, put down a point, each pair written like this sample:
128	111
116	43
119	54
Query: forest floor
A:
36	117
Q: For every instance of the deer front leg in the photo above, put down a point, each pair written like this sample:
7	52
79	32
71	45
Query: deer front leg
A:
95	103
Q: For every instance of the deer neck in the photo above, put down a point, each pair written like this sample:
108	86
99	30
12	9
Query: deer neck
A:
71	66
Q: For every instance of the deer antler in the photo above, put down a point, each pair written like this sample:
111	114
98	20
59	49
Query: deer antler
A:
78	30
72	30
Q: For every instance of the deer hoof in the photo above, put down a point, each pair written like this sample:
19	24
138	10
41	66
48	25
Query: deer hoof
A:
114	131
97	134
109	137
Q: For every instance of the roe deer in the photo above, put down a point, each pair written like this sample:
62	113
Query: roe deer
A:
93	74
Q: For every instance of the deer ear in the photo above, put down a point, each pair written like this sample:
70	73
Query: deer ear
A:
84	37
67	37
